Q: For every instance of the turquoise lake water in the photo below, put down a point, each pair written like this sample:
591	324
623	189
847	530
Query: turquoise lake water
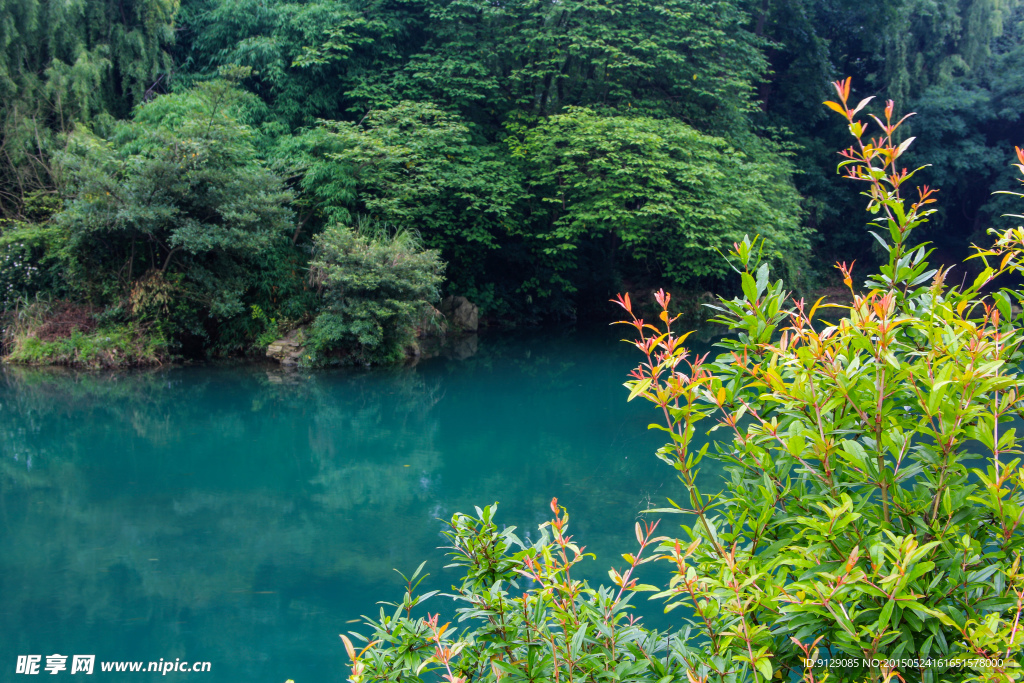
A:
244	516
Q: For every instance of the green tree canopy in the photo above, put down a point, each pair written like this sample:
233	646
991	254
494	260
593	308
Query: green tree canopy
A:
415	167
657	192
172	209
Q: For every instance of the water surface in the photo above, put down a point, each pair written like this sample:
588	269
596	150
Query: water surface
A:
242	515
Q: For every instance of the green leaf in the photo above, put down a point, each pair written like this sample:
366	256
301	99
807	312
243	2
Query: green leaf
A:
639	387
883	618
749	287
762	278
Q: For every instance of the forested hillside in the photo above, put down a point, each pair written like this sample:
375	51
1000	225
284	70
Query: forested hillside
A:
170	170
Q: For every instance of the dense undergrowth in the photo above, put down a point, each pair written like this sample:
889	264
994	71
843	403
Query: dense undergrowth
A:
177	164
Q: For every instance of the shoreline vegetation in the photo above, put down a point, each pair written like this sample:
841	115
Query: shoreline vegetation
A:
65	334
207	176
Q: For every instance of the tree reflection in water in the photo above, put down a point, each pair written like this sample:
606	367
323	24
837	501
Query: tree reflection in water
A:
242	515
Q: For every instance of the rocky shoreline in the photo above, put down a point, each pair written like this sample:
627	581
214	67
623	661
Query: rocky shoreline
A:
451	327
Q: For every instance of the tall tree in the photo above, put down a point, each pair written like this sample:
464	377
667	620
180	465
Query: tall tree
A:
63	63
694	60
657	194
305	57
954	62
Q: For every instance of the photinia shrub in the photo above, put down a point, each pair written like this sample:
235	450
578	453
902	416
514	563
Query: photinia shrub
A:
870	523
872	509
525	616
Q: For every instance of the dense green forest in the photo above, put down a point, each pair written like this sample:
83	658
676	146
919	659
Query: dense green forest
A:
194	178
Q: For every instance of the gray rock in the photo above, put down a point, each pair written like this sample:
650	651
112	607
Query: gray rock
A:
288	349
462	315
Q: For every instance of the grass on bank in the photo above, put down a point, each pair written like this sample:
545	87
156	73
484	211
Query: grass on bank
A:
46	333
116	346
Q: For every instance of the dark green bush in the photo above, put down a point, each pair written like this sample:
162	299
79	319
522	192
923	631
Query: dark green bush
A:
169	216
374	286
